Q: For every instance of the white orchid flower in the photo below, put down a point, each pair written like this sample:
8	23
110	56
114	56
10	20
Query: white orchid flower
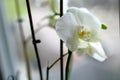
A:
79	29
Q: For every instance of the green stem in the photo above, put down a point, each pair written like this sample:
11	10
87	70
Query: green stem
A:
68	65
56	61
49	67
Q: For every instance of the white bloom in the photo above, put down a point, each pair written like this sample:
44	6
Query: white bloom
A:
79	29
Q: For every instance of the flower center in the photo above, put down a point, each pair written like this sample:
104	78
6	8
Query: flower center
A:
84	34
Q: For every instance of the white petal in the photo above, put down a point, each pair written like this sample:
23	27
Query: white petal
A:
66	29
72	43
98	52
86	19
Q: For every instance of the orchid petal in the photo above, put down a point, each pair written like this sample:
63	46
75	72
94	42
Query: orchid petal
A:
96	51
66	29
86	19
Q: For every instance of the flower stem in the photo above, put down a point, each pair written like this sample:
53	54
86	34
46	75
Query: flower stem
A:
61	44
61	59
49	67
68	65
56	61
34	39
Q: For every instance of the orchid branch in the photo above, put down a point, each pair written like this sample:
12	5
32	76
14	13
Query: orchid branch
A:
56	61
49	67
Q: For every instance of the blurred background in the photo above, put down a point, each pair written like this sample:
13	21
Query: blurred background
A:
16	41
